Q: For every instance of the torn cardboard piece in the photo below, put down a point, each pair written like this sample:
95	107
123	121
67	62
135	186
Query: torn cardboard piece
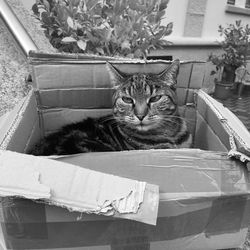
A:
75	188
182	174
17	179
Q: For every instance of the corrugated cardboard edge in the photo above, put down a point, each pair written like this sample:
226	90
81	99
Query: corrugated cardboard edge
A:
13	119
74	188
41	56
235	128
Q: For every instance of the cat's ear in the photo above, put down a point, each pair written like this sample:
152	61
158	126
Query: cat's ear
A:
116	76
169	75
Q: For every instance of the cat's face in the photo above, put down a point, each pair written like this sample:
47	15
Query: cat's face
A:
144	101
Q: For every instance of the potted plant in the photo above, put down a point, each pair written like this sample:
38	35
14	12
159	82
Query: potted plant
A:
235	46
129	28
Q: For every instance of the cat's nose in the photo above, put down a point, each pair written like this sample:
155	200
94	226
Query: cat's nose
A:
140	117
140	110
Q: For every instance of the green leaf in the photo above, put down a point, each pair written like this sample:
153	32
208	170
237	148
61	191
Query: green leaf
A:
133	5
163	5
137	6
159	16
68	39
46	4
119	6
125	45
59	32
130	55
161	44
70	22
151	18
168	29
75	3
238	23
92	38
82	44
65	12
100	50
35	9
45	18
139	53
50	31
90	4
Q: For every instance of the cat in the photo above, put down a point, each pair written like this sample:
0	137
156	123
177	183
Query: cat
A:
145	116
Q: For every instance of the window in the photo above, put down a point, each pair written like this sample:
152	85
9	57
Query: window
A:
241	7
247	4
234	2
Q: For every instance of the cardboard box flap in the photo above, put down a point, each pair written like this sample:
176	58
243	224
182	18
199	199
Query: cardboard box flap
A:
13	124
10	120
239	136
17	179
77	189
54	72
181	174
44	55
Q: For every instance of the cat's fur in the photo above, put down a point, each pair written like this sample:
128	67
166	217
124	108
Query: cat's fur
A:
145	116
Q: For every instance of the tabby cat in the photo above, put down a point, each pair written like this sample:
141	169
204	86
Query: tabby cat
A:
145	116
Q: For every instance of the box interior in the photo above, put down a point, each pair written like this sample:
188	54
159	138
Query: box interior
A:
70	91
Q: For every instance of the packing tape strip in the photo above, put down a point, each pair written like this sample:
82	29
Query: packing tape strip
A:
25	227
226	215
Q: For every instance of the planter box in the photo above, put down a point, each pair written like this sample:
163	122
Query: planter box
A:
204	191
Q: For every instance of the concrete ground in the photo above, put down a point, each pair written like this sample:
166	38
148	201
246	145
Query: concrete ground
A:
13	70
13	64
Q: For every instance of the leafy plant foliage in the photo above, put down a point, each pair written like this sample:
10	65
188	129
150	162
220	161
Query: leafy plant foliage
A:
236	45
128	28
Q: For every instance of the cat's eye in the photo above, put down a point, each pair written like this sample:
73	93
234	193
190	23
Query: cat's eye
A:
127	100
155	98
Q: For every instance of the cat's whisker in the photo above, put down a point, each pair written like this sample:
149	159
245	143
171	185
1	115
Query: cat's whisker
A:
106	119
173	116
168	122
172	121
190	121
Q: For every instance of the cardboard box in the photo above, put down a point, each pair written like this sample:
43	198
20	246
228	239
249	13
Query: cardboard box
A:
204	191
